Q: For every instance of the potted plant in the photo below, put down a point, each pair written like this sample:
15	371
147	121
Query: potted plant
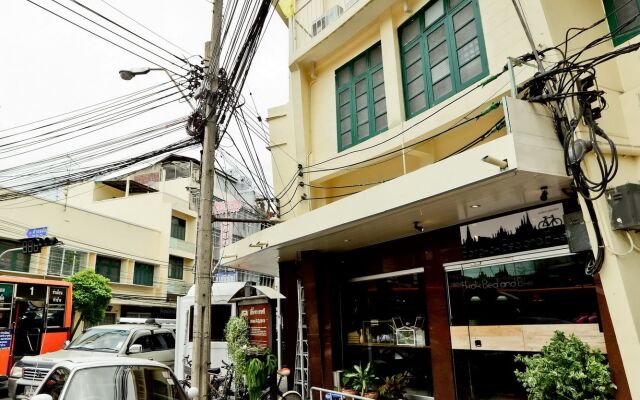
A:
394	386
362	380
347	383
566	369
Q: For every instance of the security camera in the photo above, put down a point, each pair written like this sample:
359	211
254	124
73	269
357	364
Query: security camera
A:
502	164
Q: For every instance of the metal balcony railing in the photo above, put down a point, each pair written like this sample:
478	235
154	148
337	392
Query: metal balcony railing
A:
179	244
176	286
315	16
228	274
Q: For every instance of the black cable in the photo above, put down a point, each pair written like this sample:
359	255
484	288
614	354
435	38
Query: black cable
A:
102	37
131	32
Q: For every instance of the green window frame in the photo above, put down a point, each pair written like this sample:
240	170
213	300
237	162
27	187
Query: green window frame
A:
619	13
143	274
176	267
361	106
108	267
442	53
178	228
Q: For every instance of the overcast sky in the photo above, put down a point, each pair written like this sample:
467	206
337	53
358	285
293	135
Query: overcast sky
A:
49	66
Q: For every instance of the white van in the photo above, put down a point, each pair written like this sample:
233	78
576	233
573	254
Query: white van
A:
221	311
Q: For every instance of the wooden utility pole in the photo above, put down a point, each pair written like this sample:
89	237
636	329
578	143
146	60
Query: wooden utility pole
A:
202	309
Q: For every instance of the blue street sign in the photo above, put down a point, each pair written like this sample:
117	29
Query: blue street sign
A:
37	232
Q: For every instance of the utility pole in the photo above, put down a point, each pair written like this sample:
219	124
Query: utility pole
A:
202	309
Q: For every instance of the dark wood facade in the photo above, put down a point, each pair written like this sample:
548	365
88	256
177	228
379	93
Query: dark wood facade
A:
323	276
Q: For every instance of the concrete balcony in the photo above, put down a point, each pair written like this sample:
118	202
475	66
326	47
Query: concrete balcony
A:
177	286
450	191
316	20
182	245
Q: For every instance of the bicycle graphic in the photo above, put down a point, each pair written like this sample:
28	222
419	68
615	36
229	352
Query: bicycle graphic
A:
548	221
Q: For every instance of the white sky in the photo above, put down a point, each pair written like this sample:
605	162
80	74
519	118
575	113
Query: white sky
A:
49	66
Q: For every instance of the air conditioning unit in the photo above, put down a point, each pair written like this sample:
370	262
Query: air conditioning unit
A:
327	19
349	3
319	25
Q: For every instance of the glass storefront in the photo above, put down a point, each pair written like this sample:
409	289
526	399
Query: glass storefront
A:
551	290
384	323
510	305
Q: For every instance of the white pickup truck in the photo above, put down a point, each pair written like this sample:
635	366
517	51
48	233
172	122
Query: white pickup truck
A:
123	340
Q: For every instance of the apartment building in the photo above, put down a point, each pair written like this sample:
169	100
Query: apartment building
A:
138	230
424	202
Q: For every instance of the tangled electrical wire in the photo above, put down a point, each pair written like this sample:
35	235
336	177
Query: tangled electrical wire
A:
570	90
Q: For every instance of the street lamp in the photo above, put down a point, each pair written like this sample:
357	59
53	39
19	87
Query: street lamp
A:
128	74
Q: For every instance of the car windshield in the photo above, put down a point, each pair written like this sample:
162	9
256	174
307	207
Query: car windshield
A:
108	340
124	383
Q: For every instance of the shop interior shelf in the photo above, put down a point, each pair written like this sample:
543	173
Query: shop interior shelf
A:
391	345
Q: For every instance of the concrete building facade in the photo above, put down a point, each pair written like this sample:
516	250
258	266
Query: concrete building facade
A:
415	170
139	230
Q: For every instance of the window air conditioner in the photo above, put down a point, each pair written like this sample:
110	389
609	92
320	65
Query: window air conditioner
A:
331	15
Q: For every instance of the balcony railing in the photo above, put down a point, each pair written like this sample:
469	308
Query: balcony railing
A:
315	16
179	244
176	286
228	274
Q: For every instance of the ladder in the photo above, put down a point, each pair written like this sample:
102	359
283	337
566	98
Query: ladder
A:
301	374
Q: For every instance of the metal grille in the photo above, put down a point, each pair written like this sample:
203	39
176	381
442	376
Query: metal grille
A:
34	373
229	274
66	262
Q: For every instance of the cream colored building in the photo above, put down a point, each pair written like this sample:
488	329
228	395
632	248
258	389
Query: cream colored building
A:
139	230
393	107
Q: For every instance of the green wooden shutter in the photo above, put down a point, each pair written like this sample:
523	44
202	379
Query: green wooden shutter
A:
108	267
623	19
361	108
143	274
442	53
176	267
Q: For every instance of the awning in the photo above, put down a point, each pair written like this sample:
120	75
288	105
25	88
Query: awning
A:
142	303
221	292
437	195
255	292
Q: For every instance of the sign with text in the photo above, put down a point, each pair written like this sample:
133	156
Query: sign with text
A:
526	230
258	316
31	292
5	339
6	294
37	232
57	295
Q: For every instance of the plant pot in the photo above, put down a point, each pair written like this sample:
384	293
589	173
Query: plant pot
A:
349	392
371	395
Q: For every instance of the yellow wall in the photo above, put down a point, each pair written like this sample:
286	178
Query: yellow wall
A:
306	127
93	233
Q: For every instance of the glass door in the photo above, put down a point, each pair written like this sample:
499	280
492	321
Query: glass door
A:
503	306
384	323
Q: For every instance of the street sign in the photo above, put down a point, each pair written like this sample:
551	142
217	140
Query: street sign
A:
37	232
57	295
6	294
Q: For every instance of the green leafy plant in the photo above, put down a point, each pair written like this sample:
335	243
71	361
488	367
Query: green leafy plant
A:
394	386
258	373
236	333
567	368
91	296
360	379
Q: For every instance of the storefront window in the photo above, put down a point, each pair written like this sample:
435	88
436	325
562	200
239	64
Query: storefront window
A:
384	323
543	291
